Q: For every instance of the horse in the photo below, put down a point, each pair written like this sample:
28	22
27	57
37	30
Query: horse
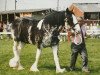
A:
43	33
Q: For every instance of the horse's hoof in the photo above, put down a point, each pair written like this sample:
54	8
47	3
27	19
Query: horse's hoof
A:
60	70
20	68
13	63
34	70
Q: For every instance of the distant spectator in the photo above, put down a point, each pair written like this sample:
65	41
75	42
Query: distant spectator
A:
8	29
94	26
1	29
5	27
83	27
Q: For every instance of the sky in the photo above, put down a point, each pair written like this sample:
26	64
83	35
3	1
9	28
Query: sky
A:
38	4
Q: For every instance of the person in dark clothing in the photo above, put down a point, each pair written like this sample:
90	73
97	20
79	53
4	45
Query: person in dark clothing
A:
1	29
78	46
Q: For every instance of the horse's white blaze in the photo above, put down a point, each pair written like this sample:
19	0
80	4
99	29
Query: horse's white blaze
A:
29	32
75	21
66	25
39	25
34	66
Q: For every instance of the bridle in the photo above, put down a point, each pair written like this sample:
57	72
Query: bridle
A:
71	26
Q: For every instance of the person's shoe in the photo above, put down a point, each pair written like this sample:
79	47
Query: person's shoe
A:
85	69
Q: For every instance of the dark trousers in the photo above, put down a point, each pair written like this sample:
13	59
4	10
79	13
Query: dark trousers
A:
78	49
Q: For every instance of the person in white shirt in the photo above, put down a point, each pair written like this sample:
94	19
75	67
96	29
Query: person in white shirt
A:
78	46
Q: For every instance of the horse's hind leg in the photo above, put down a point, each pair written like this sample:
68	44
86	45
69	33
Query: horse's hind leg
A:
56	59
34	66
15	61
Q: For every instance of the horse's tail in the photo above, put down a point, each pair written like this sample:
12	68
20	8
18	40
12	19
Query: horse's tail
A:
39	25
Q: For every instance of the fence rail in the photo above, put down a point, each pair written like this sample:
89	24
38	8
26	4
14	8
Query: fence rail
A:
5	33
95	32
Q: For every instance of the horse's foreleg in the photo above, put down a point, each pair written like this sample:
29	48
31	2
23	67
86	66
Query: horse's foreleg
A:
34	66
56	59
20	46
15	61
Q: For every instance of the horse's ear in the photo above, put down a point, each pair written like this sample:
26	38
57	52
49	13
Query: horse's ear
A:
67	10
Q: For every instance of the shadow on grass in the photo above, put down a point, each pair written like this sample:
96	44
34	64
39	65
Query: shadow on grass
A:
52	67
49	67
92	70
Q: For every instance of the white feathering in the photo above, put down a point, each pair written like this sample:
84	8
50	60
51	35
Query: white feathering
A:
40	24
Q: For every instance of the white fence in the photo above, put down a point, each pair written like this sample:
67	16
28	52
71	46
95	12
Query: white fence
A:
89	32
5	33
93	32
11	33
65	34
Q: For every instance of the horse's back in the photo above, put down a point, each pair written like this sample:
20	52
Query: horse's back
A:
55	18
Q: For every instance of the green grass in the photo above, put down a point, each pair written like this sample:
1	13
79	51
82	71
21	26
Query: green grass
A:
46	64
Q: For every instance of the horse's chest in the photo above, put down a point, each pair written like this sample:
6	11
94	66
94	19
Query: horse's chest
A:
46	40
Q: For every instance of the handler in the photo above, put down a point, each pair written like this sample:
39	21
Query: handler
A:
78	47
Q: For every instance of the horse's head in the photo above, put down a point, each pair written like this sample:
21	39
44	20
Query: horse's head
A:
73	27
71	21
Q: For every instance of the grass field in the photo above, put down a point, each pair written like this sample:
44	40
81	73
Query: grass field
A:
46	64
